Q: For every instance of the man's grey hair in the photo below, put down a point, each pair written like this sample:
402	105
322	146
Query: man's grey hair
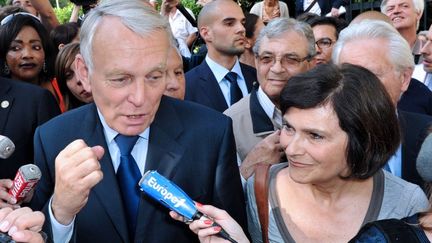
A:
418	6
399	52
134	14
280	26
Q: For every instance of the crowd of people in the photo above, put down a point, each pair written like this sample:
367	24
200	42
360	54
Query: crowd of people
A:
281	129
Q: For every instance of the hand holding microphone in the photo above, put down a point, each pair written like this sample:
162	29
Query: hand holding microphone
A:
21	225
172	197
21	188
207	232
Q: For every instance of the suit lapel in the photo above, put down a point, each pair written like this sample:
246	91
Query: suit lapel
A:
249	76
211	88
262	125
404	147
107	190
5	98
164	154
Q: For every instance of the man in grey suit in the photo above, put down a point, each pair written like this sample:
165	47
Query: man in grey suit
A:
285	47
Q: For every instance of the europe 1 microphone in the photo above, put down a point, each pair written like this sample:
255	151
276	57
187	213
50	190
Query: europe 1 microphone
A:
7	147
171	196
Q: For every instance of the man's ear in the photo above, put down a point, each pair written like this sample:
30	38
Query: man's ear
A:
248	43
205	33
406	78
82	73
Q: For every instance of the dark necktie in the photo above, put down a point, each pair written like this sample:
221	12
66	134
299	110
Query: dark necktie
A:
235	91
128	175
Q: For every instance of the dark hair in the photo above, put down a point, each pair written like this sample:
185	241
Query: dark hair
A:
63	72
7	10
64	33
251	20
335	22
362	105
11	29
307	17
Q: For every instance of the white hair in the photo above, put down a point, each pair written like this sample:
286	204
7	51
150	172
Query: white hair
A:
134	14
399	52
418	6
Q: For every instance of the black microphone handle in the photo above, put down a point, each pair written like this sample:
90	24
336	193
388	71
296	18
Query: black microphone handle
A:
223	234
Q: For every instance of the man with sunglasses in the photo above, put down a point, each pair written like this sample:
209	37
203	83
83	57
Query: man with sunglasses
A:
285	47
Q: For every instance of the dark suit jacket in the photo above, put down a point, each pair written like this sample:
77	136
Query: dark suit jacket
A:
202	87
25	106
325	5
414	130
417	98
190	144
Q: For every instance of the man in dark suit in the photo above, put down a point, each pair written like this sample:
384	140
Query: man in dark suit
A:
89	190
389	57
23	107
417	98
220	80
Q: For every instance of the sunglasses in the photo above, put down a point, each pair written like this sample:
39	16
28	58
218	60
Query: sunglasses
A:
8	18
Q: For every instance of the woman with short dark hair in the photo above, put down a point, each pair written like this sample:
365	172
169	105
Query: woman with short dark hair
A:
340	129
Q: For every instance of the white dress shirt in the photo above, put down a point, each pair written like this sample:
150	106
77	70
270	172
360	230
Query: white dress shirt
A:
220	71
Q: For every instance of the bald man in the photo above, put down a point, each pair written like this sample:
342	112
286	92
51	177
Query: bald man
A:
372	15
221	80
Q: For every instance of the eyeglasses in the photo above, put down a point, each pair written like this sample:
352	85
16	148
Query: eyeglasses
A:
288	60
8	18
324	43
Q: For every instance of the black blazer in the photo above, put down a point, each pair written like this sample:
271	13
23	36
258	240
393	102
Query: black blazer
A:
414	131
23	107
417	98
191	145
202	87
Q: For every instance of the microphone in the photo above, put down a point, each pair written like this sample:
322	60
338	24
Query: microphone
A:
25	180
424	159
171	196
7	147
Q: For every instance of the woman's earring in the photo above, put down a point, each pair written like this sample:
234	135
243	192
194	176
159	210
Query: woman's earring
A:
44	68
6	70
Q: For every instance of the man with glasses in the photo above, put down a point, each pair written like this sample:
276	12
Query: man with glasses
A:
285	47
326	32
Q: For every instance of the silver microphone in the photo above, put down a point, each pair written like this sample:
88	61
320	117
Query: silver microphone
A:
7	147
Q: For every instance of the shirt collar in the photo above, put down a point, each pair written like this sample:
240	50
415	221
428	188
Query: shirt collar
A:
266	103
220	71
110	133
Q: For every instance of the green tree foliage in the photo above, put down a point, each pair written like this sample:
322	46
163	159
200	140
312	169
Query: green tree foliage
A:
190	4
63	14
